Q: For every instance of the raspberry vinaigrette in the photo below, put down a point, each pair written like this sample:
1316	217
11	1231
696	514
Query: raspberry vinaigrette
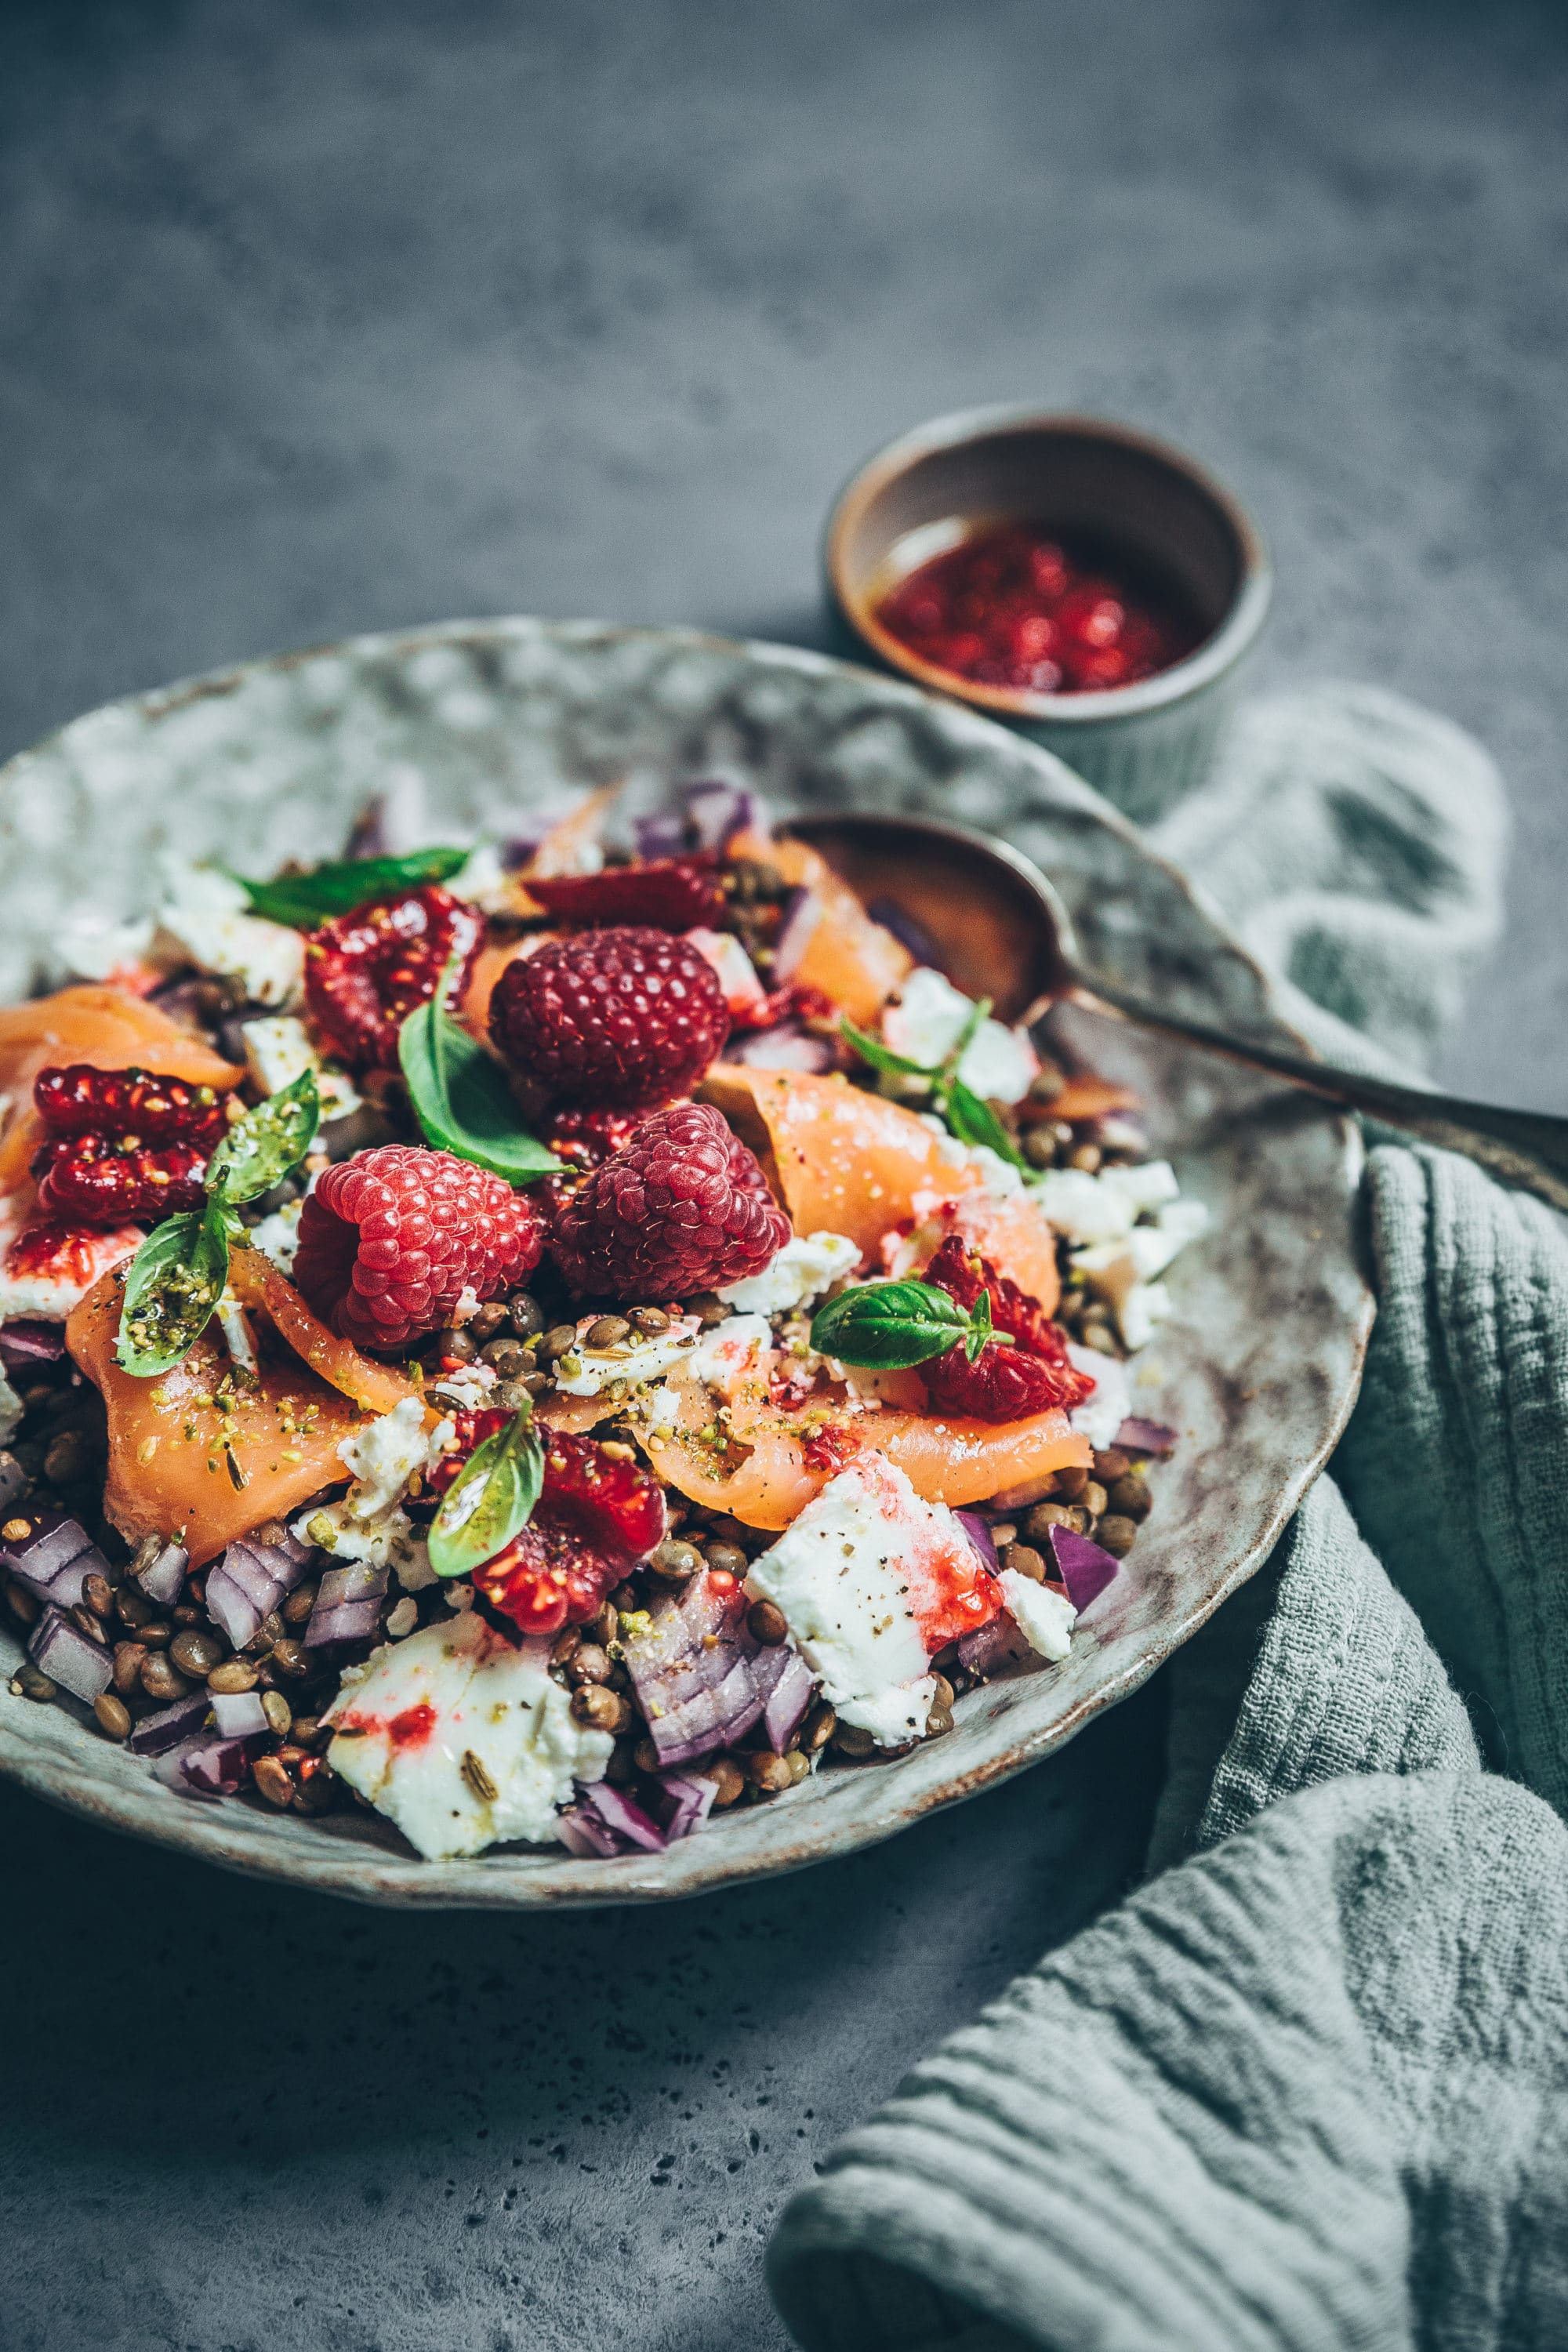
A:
1019	606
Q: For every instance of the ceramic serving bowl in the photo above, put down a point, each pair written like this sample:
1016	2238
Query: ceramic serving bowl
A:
487	719
1144	745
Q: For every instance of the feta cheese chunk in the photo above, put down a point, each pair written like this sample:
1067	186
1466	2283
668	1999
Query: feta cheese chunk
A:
850	1576
1045	1618
368	1523
640	1362
278	1050
1101	1415
278	1235
462	1739
725	1354
203	921
999	1064
795	1276
737	972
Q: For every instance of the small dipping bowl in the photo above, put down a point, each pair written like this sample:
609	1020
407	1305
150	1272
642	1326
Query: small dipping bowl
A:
1142	507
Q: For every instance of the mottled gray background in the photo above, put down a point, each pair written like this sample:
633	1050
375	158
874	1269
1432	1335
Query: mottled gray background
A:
334	315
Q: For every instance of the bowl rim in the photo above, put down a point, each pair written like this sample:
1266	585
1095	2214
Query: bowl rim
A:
1219	652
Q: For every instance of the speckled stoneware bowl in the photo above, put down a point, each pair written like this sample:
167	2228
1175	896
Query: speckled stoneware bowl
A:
273	760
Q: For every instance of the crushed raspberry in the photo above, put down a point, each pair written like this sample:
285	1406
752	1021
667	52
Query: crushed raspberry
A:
1005	1383
595	1518
626	1017
1002	1384
135	1104
683	1208
366	972
92	1180
586	1138
390	1240
797	1001
52	1252
669	894
830	1448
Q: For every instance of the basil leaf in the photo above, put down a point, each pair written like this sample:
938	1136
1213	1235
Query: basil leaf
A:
980	1327
304	901
461	1099
260	1148
974	1121
490	1500
890	1325
880	1057
177	1278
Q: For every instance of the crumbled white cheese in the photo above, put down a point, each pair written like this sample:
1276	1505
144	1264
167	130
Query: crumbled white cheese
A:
278	1050
92	949
1103	1208
11	1410
469	1388
796	1276
1101	1414
999	1178
737	972
721	1356
203	921
927	1022
662	1412
1045	1618
278	1235
237	1333
401	1618
368	1523
497	1759
640	1360
841	1573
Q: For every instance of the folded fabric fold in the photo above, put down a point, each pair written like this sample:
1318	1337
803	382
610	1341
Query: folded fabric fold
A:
1308	2088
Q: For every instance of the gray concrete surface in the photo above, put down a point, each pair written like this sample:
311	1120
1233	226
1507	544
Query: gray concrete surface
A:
322	316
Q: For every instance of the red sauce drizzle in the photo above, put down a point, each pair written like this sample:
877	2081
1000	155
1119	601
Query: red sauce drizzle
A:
414	1726
1017	607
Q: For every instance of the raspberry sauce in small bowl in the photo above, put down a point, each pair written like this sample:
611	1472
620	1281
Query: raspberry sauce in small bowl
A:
1086	584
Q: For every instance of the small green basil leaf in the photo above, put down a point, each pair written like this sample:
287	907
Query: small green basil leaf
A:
974	1121
461	1099
880	1057
888	1325
490	1500
304	901
980	1327
260	1148
172	1289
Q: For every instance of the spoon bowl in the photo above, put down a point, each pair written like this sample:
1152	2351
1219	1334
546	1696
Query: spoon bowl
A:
1002	931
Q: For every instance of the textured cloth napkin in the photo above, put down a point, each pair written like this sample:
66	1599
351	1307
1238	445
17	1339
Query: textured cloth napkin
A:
1308	2086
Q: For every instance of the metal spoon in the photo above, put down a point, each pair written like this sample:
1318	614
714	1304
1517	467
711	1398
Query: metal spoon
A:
1005	933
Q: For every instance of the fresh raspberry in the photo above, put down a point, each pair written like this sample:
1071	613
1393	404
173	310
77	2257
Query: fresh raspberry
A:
626	1017
669	894
1005	1383
81	1101
683	1208
390	1240
585	1138
366	972
94	1180
594	1520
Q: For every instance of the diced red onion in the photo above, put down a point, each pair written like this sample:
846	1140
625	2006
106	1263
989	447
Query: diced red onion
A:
802	912
163	1579
249	1581
348	1605
239	1715
978	1530
156	1733
717	810
1086	1568
691	1671
29	1342
794	1687
51	1544
905	930
709	1719
621	1814
991	1647
663	834
786	1046
1136	1436
213	1767
582	1832
680	1802
83	1667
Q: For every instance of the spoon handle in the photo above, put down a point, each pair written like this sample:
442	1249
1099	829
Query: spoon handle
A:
1528	1149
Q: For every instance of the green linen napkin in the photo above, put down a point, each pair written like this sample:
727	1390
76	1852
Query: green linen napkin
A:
1308	2086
